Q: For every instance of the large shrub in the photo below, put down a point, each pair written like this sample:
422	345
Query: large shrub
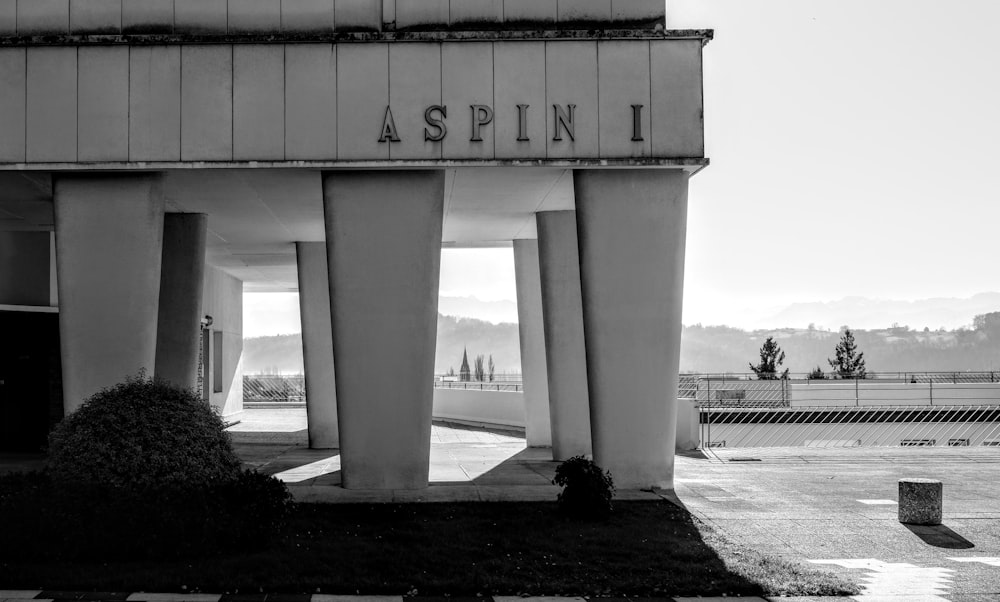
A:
143	469
587	488
139	434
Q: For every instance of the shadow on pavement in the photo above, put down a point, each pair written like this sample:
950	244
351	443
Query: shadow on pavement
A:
940	536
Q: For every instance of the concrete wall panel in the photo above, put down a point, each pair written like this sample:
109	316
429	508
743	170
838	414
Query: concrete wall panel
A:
307	16
474	12
51	100
223	301
584	10
677	117
623	69
8	17
206	103
310	101
254	16
362	96
358	15
571	71
417	13
42	17
201	16
155	103
488	408
12	109
147	16
95	16
467	74
515	11
102	111
259	102
638	10
519	78
414	85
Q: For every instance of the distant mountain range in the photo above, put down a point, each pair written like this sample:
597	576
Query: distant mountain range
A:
862	312
472	307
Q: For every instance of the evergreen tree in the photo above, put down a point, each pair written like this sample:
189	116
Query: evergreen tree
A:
771	358
849	362
491	367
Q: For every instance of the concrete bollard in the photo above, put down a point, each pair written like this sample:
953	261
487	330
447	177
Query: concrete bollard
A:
920	501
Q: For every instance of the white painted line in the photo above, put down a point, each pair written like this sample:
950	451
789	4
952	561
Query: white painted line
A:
534	599
897	580
331	598
179	597
19	594
990	560
879	502
27	599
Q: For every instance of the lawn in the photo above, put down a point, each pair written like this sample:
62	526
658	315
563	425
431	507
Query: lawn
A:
644	549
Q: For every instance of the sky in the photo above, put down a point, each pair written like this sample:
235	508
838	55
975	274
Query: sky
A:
855	151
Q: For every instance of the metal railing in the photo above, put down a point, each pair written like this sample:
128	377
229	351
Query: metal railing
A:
274	388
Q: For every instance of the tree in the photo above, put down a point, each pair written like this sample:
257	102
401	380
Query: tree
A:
491	367
771	358
849	362
479	371
985	322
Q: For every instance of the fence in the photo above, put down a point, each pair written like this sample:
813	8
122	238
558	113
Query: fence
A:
884	409
274	388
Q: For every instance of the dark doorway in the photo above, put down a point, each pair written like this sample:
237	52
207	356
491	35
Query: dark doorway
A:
30	379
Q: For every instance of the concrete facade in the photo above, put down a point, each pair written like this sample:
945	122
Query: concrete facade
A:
333	147
632	226
317	345
384	259
565	344
182	285
531	336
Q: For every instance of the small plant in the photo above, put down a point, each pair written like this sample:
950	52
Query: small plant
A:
816	374
587	488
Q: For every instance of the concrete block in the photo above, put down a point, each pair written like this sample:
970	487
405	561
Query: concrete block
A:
676	112
414	85
519	79
358	15
147	16
42	17
206	103
467	79
102	109
571	11
623	69
51	104
310	101
200	16
422	14
640	11
259	102
473	12
12	82
8	17
533	11
920	501
571	72
155	103
95	16
362	98
254	16
307	16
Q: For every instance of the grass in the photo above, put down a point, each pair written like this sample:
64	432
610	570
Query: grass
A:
644	549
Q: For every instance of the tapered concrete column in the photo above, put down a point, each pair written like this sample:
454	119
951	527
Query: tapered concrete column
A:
531	334
182	284
383	232
317	345
632	225
565	348
109	232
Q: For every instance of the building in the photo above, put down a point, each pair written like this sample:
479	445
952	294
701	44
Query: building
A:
160	157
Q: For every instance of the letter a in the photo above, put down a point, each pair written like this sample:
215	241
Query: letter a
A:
388	128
